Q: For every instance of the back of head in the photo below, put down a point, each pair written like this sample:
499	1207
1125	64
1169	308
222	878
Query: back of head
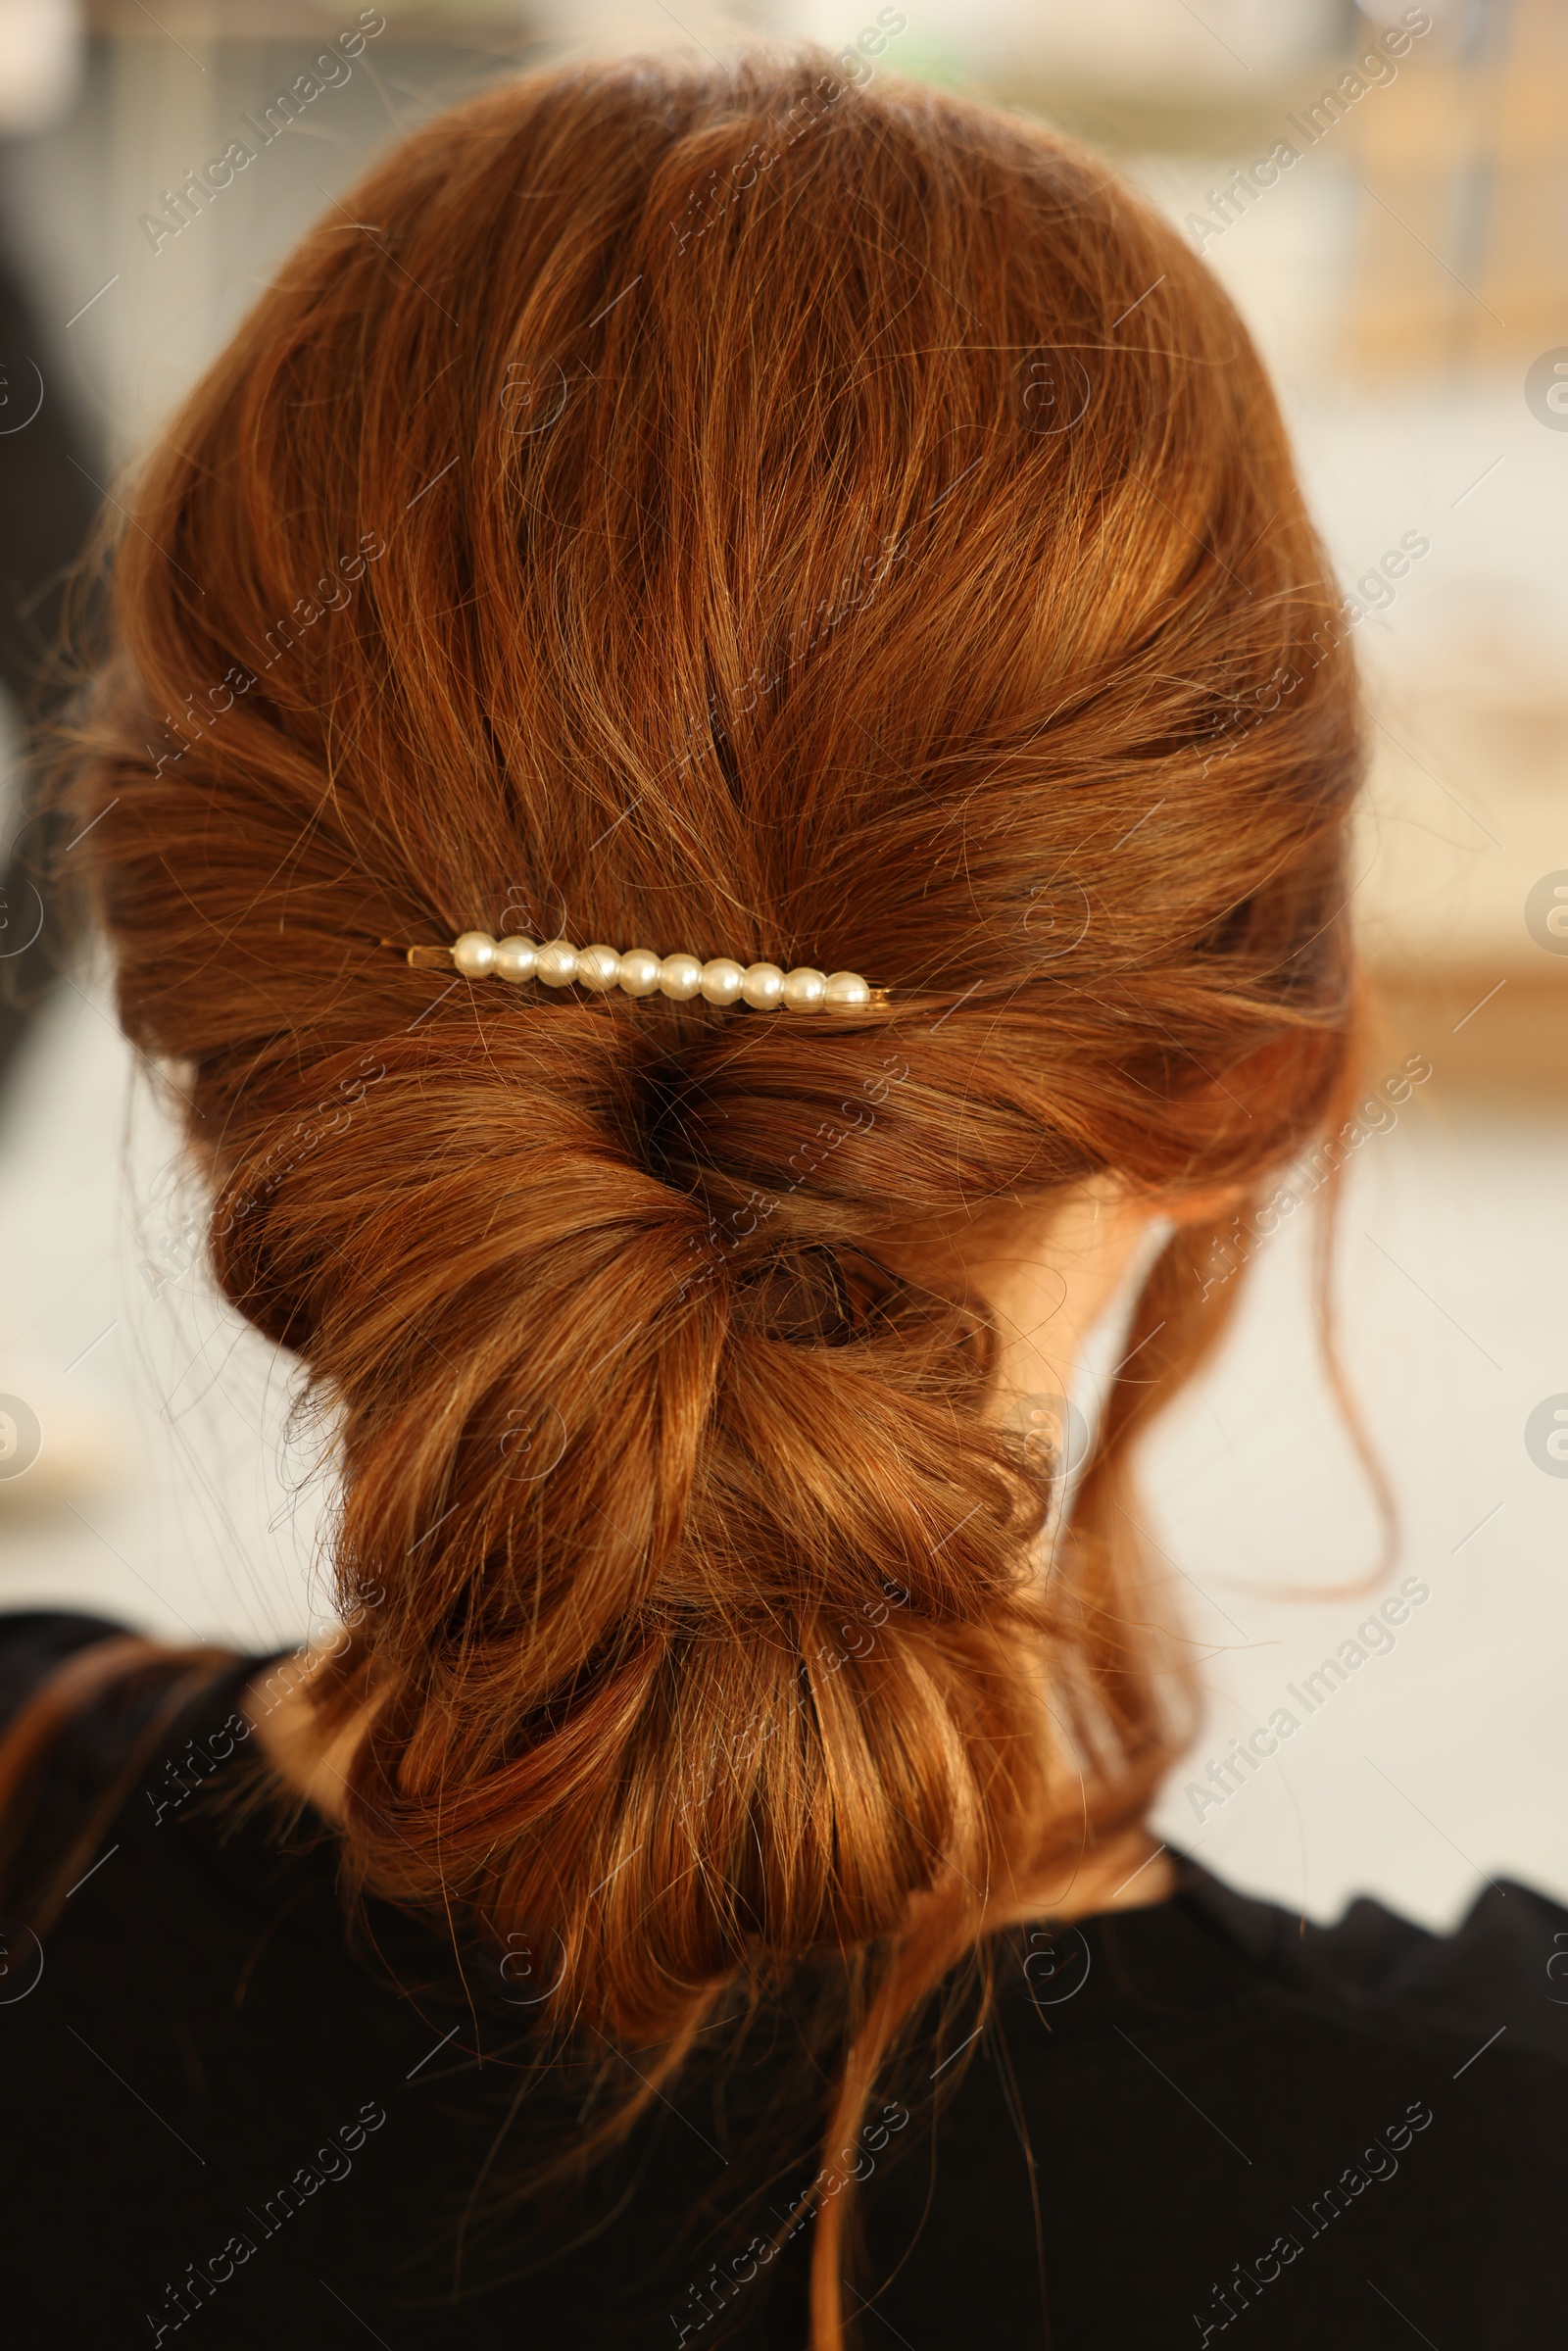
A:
715	510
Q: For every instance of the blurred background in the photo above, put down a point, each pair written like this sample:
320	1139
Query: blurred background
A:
1402	257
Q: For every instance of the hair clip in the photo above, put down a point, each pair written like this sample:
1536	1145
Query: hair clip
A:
640	972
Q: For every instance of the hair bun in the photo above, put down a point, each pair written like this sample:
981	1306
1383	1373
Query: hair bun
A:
811	1294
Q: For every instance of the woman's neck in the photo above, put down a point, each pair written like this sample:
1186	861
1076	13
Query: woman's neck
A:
307	1757
1129	1871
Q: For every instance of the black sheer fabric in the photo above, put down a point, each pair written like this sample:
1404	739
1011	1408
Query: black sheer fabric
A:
230	2119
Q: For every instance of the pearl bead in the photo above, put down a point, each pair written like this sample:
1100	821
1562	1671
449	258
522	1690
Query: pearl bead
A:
515	957
598	966
846	992
722	980
475	954
804	989
556	963
638	972
763	987
680	976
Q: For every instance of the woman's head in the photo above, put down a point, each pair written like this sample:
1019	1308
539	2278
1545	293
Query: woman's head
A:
720	511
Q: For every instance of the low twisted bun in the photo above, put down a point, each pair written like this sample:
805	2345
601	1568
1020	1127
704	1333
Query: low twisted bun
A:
618	1465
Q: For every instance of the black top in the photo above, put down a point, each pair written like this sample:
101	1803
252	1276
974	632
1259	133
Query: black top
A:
225	2113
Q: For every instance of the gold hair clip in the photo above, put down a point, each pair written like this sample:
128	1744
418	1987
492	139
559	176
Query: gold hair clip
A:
640	972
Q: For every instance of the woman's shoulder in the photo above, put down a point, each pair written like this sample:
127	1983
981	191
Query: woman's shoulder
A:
108	1689
106	1734
34	1641
145	1755
1504	1965
1212	1952
1231	2092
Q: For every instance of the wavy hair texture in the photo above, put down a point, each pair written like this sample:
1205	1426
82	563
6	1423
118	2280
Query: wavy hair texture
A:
724	510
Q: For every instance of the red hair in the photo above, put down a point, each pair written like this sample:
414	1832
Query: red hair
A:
716	510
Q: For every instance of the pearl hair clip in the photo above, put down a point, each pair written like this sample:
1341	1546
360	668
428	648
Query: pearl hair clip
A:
640	972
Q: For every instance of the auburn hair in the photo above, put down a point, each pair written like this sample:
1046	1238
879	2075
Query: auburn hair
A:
724	509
